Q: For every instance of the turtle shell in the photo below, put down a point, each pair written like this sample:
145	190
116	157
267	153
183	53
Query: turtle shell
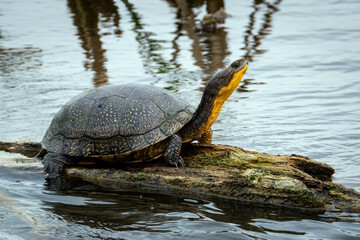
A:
115	120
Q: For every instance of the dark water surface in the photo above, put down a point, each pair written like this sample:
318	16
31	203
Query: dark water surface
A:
300	95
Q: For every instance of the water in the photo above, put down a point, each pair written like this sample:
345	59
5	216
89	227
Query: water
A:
300	95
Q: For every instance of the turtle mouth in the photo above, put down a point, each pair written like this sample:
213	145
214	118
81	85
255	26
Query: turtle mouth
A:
239	65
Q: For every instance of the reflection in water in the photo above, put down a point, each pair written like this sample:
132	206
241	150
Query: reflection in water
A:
87	15
138	208
35	223
19	59
213	6
148	46
253	40
263	10
208	50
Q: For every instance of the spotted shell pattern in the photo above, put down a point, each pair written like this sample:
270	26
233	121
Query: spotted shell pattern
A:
116	120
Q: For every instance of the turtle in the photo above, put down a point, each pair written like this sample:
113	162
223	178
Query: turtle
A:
126	123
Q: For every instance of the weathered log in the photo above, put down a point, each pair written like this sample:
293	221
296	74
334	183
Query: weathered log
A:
28	149
229	172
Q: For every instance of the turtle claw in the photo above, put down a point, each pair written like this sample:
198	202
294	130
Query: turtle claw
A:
181	161
178	162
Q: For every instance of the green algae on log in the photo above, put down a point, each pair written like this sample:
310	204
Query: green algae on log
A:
224	171
229	172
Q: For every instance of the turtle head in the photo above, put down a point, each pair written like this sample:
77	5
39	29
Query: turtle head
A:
216	92
224	83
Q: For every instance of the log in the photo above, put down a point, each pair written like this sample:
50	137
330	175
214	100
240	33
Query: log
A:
28	149
227	172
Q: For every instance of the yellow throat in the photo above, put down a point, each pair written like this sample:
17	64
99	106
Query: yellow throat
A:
222	96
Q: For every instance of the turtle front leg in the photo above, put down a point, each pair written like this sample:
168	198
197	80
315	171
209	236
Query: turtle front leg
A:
206	137
172	152
54	164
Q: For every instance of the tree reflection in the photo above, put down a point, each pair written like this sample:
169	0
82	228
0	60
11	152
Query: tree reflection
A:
13	60
87	16
148	46
208	50
262	11
252	39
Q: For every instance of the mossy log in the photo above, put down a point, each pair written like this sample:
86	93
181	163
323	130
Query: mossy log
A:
229	172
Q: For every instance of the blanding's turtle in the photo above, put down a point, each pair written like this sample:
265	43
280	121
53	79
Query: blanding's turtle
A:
134	123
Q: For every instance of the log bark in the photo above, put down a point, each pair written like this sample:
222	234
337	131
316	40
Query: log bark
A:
28	149
228	172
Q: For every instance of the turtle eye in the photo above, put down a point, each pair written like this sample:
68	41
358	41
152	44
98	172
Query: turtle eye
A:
235	64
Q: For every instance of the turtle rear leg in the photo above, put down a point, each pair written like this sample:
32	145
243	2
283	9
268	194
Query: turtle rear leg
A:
54	164
172	152
206	137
